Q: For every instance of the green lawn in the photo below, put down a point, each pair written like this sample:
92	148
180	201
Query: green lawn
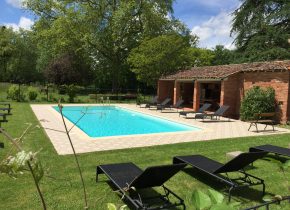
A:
62	188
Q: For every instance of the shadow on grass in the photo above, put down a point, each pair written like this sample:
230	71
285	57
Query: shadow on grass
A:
241	195
280	158
146	197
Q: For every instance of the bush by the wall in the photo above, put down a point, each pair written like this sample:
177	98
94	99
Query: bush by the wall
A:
32	93
257	100
15	93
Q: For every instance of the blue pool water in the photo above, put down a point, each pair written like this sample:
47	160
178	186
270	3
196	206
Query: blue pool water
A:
100	121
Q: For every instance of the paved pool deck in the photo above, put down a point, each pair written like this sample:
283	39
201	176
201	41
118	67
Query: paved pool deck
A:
51	121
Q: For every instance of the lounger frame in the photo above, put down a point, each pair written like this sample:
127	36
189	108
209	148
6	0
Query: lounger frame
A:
217	114
271	149
200	110
4	119
138	201
245	180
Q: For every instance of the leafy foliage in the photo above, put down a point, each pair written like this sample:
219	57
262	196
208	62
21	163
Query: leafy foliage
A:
159	56
199	57
67	69
71	90
32	93
223	56
212	200
101	33
257	100
215	196
201	200
17	56
15	93
112	206
262	29
14	165
6	50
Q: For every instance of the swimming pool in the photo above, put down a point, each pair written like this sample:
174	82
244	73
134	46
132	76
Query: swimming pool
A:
101	121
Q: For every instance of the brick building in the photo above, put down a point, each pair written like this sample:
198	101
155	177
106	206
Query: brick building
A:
226	84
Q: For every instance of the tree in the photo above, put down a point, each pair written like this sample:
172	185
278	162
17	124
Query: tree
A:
67	69
62	54
222	56
200	57
263	29
6	50
17	55
106	30
22	65
159	56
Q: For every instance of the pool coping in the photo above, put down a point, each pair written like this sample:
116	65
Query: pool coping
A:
51	121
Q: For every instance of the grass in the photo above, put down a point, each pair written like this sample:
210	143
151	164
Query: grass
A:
62	188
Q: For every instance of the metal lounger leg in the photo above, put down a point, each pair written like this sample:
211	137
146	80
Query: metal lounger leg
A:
250	126
230	191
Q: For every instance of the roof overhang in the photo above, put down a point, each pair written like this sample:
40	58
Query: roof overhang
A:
211	79
167	79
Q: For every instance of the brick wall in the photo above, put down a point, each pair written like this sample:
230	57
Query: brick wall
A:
279	81
165	90
234	87
230	94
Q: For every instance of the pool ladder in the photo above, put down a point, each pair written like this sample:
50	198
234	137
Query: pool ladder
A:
105	102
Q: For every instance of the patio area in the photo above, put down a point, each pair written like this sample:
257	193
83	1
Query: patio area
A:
211	130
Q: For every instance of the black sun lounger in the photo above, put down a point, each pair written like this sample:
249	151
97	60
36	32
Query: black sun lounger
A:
153	102
200	110
8	109
3	118
216	169
271	149
218	113
162	104
176	106
128	179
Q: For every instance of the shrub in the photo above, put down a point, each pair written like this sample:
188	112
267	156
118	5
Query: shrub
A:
32	93
62	89
140	98
257	100
15	93
71	90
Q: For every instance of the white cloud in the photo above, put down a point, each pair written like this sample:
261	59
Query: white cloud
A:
15	3
215	31
24	23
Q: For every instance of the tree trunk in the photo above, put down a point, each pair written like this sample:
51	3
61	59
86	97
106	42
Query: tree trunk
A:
115	76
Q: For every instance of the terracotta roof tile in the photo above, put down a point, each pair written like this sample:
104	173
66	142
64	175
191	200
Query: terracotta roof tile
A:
223	71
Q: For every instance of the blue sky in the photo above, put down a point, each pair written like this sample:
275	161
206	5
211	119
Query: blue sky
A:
209	19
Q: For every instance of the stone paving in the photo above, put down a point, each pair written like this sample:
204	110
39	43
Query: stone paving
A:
51	121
